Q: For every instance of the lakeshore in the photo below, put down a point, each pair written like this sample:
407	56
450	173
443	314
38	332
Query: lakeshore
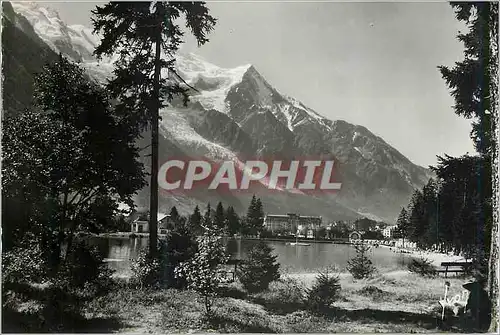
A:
435	257
276	239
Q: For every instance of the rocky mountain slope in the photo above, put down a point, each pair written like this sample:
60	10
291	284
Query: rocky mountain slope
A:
239	114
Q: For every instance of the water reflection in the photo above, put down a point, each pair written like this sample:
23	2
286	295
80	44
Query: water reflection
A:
120	252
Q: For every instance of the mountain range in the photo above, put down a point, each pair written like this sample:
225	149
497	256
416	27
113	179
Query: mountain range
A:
235	113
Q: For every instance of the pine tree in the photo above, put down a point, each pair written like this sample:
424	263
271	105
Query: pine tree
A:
233	221
416	216
252	207
429	193
174	217
474	85
195	222
250	217
142	34
361	266
259	269
403	224
255	217
219	217
259	216
207	222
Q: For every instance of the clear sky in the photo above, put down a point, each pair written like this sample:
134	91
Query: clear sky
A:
372	64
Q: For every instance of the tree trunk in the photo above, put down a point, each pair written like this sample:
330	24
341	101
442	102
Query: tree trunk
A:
155	115
493	273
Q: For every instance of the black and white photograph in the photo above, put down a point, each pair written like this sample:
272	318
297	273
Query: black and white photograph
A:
249	167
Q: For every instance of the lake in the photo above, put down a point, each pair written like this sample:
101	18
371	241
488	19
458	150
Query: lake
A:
295	259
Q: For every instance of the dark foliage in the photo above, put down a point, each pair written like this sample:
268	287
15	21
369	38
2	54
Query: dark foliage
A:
180	247
195	221
259	269
422	267
324	292
254	220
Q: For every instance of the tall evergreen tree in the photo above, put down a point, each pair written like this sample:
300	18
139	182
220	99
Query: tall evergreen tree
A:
429	193
174	217
251	207
195	222
146	37
207	221
220	217
474	85
255	217
416	216
249	219
259	216
232	220
403	224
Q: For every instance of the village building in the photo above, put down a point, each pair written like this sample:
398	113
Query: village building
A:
388	232
140	224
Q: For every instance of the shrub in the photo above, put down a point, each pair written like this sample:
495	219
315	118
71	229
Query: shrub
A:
289	291
84	268
180	247
361	266
422	267
145	270
403	261
57	302
259	269
324	291
284	296
374	292
202	273
23	264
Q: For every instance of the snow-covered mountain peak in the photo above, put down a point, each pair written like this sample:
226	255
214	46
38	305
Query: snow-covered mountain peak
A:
78	43
45	20
212	81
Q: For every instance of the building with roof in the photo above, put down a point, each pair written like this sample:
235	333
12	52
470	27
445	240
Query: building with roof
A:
290	223
388	232
140	224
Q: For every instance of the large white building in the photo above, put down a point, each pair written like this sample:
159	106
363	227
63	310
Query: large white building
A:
290	223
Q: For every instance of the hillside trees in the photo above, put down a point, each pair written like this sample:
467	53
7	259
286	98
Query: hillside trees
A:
67	162
451	214
146	37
